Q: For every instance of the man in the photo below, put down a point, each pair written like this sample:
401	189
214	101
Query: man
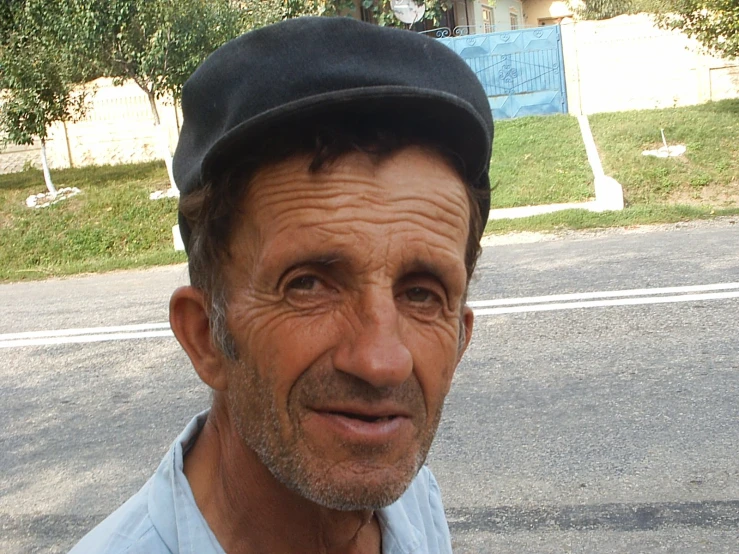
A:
334	185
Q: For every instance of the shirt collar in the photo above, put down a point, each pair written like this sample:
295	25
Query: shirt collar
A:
172	506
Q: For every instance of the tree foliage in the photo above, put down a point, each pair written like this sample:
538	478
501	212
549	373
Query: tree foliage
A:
713	23
264	12
258	13
602	9
157	44
8	15
37	77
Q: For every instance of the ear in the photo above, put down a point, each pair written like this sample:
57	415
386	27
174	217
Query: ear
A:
465	333
188	317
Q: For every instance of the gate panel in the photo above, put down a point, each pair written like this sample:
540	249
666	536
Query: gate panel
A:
522	71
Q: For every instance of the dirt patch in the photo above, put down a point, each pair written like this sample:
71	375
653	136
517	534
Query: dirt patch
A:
716	196
7	221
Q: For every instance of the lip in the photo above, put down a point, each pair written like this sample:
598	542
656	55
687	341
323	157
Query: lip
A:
377	410
390	423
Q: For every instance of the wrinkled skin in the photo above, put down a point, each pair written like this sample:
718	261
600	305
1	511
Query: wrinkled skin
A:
345	303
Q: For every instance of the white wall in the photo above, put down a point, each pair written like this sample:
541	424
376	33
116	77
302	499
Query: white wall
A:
542	9
627	63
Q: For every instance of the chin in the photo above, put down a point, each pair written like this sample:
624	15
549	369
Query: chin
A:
356	486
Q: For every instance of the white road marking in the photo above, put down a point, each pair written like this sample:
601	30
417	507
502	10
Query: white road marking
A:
46	341
602	303
84	331
719	291
601	294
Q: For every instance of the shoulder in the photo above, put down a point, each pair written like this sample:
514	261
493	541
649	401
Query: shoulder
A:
418	517
128	530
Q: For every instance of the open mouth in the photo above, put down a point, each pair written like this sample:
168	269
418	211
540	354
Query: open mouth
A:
371	425
363	417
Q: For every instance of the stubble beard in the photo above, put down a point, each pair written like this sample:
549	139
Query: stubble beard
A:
282	452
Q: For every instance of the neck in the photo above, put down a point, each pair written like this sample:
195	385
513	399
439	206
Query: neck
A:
249	511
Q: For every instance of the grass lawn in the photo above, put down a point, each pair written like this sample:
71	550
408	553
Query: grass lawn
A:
701	184
539	160
708	173
112	224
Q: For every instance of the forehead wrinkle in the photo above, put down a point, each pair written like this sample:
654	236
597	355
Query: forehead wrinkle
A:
349	208
285	200
290	180
372	233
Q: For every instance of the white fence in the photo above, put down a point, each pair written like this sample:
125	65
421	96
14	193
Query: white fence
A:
627	63
118	127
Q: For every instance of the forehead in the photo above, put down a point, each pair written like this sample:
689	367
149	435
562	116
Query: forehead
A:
411	200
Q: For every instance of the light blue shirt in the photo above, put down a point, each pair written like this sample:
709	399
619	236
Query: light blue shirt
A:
163	518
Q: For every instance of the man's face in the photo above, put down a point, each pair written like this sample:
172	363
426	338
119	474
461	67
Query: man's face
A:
345	293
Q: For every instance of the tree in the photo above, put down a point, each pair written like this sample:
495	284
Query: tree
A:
298	8
381	10
155	43
713	23
601	9
606	9
37	78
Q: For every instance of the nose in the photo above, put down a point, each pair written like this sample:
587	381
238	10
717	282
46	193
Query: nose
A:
373	349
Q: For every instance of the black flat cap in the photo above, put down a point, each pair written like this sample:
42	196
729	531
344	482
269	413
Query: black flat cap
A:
314	65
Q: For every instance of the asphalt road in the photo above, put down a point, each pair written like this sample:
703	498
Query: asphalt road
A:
598	429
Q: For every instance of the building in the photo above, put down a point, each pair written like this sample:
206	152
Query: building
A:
538	13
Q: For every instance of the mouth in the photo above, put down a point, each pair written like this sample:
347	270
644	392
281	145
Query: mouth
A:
367	418
362	425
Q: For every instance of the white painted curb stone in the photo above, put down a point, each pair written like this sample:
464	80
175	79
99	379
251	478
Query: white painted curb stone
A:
609	194
171	192
177	237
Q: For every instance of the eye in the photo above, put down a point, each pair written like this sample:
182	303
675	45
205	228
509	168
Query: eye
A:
304	282
419	294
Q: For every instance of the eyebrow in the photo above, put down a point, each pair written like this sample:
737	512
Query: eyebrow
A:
418	267
323	260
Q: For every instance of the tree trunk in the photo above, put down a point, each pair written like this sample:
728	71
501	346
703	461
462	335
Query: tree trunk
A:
161	138
45	166
153	105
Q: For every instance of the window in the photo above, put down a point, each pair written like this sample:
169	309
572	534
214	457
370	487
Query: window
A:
488	19
514	20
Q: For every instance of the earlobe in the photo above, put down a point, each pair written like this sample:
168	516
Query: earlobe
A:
188	317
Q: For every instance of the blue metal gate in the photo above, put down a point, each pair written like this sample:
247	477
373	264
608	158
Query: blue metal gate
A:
521	71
